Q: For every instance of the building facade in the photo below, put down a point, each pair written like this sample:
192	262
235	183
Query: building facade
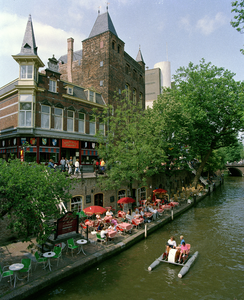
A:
49	114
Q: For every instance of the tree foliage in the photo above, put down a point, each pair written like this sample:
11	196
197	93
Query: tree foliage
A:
238	22
30	195
129	150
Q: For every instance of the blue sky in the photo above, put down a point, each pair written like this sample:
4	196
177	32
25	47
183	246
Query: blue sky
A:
191	29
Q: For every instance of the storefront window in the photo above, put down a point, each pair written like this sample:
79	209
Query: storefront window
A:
121	194
76	203
142	192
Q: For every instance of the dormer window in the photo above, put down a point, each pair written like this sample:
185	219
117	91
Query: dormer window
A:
26	72
53	86
70	91
92	96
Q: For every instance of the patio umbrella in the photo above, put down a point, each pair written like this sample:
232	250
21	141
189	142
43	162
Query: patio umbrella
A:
160	191
95	209
126	200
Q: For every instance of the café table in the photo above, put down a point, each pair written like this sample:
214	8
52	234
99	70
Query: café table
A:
148	214
137	216
89	223
107	218
166	206
121	214
111	233
125	226
49	255
80	243
15	268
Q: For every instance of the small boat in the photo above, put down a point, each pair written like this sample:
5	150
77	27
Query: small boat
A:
172	258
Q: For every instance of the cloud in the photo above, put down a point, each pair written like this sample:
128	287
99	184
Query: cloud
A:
207	25
186	24
49	40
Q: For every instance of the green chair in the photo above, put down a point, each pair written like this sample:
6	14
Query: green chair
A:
39	260
5	274
27	266
71	245
99	238
58	253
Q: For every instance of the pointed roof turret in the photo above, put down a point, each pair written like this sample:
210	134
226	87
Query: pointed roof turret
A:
29	43
103	24
139	57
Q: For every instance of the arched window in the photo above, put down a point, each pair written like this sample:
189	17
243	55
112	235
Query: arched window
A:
113	45
76	204
98	199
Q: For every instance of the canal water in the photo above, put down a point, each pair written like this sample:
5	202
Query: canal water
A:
215	228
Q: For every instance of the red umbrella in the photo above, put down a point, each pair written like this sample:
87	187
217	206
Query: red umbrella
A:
126	200
95	209
160	191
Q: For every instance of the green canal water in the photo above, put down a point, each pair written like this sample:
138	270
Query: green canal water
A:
215	227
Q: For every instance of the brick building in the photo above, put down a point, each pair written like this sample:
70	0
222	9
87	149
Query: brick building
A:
103	65
52	110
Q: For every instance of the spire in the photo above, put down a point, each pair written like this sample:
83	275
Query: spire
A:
103	23
139	57
29	43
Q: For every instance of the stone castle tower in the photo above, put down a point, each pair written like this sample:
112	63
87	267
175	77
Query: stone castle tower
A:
103	65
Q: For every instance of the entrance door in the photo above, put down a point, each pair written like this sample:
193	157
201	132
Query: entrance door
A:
98	199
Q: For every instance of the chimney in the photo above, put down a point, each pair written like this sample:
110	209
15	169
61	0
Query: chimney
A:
70	58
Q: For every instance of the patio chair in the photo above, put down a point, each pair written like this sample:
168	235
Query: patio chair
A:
27	266
58	253
39	260
71	245
5	274
99	238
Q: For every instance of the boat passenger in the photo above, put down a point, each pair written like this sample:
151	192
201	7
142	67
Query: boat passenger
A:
181	241
183	251
171	244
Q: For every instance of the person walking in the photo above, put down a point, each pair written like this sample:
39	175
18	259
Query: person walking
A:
62	163
77	166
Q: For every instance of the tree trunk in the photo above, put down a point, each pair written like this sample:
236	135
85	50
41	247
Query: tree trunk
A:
199	170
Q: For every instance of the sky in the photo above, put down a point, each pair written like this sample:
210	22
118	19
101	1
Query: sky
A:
180	31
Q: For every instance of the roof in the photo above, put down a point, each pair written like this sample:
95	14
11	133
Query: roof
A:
103	24
139	57
29	44
77	55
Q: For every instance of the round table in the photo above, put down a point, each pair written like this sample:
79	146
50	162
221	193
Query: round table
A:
49	255
80	243
15	268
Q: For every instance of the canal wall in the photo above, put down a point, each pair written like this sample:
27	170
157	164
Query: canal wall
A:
85	263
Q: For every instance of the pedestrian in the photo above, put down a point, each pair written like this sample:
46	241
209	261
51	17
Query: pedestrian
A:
94	165
77	166
62	163
102	164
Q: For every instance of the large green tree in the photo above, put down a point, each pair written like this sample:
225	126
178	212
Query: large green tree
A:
238	22
214	102
130	146
30	196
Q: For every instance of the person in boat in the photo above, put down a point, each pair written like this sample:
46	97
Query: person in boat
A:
181	241
171	244
183	251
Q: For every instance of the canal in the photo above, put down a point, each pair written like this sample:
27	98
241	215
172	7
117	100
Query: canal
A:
215	227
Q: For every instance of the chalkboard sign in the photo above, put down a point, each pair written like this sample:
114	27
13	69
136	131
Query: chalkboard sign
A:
88	198
112	199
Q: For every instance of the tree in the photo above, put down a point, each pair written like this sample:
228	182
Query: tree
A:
30	196
234	153
214	101
238	23
129	147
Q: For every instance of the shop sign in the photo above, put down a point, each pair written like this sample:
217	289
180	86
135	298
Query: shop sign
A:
44	141
33	141
54	142
68	223
70	144
23	141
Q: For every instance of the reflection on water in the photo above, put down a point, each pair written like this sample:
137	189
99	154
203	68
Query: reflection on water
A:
214	228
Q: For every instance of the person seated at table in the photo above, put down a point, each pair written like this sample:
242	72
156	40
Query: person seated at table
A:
109	212
103	234
155	212
171	244
137	210
112	227
143	215
100	227
98	216
128	216
183	251
114	221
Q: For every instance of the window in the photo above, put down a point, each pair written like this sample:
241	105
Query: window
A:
35	74
142	193
134	96
69	91
101	127
76	204
113	45
26	72
52	86
92	125
119	47
91	96
58	116
127	69
140	98
101	83
70	120
81	125
101	44
134	74
121	194
127	90
45	116
25	114
101	63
